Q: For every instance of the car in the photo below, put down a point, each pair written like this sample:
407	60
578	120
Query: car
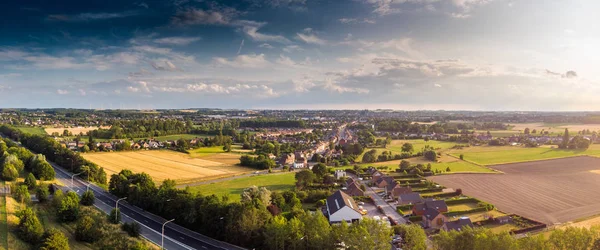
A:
256	172
361	203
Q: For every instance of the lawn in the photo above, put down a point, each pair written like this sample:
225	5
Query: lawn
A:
233	188
487	155
497	228
32	130
12	206
480	216
418	145
462	207
455	165
176	137
206	151
3	224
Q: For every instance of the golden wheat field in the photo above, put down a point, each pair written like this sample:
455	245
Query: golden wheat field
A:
74	130
164	164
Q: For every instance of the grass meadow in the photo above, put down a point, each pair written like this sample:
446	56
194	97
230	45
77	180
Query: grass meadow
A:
233	188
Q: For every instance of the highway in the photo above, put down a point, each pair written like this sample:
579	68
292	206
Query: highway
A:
176	237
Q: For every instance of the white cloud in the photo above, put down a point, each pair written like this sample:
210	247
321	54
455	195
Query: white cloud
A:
152	49
292	48
243	61
310	38
90	16
177	40
52	62
10	75
206	17
62	92
241	46
250	28
266	46
167	66
356	20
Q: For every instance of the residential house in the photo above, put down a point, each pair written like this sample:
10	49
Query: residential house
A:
457	224
396	190
409	198
503	219
287	159
432	218
349	181
341	207
338	174
420	208
154	144
376	175
354	190
136	146
384	181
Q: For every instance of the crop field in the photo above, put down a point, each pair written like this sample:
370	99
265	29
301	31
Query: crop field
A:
32	130
177	137
418	145
206	151
233	188
75	130
554	128
445	161
550	191
489	155
164	164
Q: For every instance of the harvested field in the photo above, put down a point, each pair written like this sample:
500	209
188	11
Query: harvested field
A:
550	191
163	164
74	130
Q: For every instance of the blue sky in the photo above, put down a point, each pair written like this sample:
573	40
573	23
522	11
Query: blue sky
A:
356	54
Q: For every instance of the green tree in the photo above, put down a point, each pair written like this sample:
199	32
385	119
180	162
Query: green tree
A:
42	192
133	229
88	198
320	170
30	181
87	230
276	233
369	234
21	194
68	209
430	155
9	172
404	164
317	231
30	228
55	240
304	178
573	238
407	147
415	237
260	197
566	138
526	131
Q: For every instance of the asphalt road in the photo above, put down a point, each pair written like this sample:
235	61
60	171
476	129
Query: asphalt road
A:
176	237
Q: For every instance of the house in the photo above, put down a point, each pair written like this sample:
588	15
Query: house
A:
136	146
299	163
384	181
376	175
396	190
349	181
354	190
420	208
338	174
457	224
503	219
154	144
409	198
287	159
341	207
432	218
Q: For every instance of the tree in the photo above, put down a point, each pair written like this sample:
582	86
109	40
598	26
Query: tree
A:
87	230
88	198
42	192
534	131
566	138
430	155
30	228
462	156
257	196
320	170
133	229
276	233
68	208
407	147
55	240
404	164
368	234
115	216
415	237
304	178
21	194
317	231
30	181
9	173
526	131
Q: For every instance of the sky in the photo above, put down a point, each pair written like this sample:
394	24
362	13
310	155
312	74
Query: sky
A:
301	54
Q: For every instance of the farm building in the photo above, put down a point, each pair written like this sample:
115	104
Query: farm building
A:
457	224
341	207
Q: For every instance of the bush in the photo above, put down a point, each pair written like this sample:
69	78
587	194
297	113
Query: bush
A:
55	240
88	198
30	181
87	230
68	207
115	216
42	193
462	157
133	229
430	155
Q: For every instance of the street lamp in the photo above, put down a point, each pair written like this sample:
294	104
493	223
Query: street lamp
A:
162	239
117	205
73	176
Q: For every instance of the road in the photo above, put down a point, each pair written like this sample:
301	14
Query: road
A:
388	209
176	237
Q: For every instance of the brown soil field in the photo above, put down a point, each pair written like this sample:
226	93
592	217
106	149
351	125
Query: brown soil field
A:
75	130
164	164
550	191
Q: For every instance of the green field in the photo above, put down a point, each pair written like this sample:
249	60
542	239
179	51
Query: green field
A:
176	137
206	151
3	224
455	165
418	145
233	188
32	130
488	155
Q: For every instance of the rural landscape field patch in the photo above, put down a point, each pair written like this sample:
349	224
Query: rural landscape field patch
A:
550	191
75	130
490	155
164	164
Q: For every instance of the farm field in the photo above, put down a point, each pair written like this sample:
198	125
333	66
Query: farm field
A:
176	137
554	128
551	191
206	151
489	155
418	145
165	164
31	130
233	188
455	165
75	130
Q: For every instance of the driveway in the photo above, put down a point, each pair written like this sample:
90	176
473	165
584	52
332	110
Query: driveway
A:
388	209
